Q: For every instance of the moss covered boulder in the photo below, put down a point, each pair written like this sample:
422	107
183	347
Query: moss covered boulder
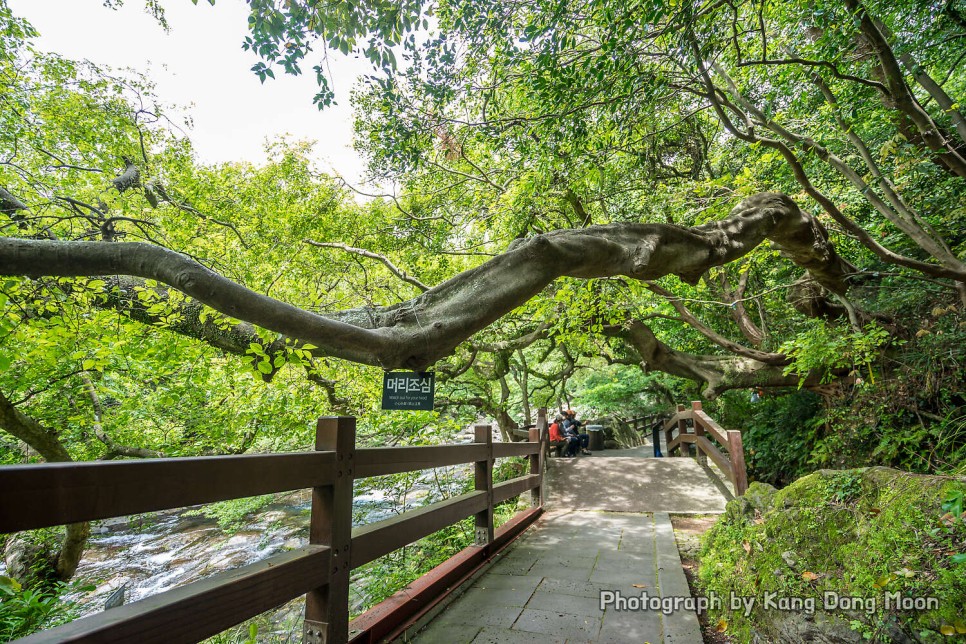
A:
857	555
618	434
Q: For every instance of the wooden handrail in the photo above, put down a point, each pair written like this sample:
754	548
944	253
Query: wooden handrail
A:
253	589
379	461
36	496
40	496
372	541
711	427
731	461
514	487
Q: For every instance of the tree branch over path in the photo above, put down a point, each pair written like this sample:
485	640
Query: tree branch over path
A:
417	333
395	270
778	359
718	372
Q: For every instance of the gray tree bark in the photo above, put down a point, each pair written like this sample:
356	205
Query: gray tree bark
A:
421	331
17	551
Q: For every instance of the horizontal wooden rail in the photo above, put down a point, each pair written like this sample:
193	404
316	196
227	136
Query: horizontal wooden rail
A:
378	461
711	427
719	459
221	600
377	539
504	450
672	422
680	439
36	496
514	487
387	620
40	496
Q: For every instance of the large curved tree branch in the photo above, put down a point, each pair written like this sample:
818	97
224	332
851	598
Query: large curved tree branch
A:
419	332
718	373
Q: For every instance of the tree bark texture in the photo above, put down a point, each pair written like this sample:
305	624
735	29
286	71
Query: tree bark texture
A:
48	445
421	331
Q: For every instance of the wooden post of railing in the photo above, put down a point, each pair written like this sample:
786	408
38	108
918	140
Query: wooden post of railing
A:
698	431
682	430
737	452
327	607
484	483
541	434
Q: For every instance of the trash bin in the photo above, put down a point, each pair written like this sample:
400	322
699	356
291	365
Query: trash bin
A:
596	433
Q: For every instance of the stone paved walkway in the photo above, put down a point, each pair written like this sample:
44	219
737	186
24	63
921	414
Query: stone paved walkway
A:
610	481
548	586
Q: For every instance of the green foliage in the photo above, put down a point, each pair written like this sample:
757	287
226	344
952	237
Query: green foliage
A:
824	349
856	533
27	610
283	36
953	525
844	487
779	433
232	515
623	391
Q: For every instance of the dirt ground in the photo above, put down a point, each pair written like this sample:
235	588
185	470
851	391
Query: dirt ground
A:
687	531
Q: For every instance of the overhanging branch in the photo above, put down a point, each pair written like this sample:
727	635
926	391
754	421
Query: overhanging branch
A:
417	333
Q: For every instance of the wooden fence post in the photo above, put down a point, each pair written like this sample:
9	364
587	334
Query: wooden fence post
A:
327	607
698	431
537	463
682	429
737	452
484	483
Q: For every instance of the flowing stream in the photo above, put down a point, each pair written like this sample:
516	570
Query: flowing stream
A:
157	552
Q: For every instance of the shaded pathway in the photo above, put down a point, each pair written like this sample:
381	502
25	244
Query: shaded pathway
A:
631	484
607	531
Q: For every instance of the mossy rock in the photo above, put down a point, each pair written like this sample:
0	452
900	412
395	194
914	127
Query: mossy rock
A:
617	433
840	556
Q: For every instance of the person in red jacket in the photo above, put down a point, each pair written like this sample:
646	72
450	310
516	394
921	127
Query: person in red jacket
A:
557	438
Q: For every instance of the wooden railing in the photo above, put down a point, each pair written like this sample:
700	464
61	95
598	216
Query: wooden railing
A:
642	423
706	437
652	422
38	496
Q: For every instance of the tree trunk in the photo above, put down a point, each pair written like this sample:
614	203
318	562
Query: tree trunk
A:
21	554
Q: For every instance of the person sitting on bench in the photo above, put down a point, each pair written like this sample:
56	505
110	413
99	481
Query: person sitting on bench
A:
564	444
572	429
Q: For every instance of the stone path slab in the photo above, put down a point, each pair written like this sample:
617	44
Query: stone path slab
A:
631	484
560	581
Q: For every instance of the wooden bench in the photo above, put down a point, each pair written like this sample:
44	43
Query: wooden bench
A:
556	448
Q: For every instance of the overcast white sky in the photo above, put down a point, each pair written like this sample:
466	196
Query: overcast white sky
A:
200	63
